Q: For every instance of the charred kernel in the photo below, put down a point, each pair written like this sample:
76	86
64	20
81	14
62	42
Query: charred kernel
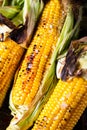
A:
65	119
38	35
3	73
27	69
70	110
2	37
40	46
9	59
32	56
44	23
34	47
22	82
29	66
6	47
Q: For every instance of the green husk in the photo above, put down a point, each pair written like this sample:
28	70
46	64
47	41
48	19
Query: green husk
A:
13	2
6	2
17	2
9	11
19	11
32	10
10	8
18	19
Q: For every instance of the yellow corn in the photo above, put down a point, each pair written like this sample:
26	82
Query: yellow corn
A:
33	65
10	54
61	107
76	113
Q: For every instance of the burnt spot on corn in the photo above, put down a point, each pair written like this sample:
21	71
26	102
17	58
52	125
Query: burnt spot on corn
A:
29	66
2	37
19	75
31	57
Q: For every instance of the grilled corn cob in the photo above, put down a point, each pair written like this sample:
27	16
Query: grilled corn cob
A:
77	113
11	52
33	66
61	105
68	101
